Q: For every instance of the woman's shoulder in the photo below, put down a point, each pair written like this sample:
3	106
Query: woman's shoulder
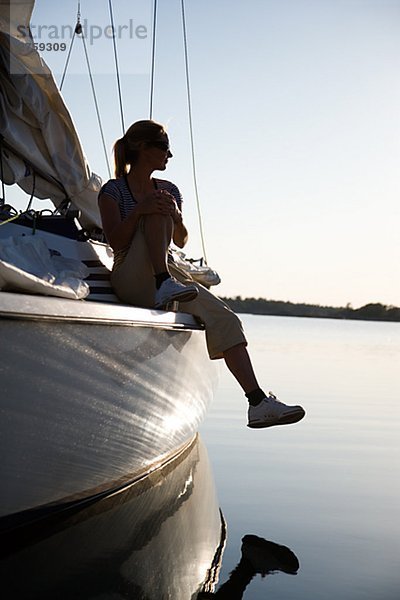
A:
163	183
113	187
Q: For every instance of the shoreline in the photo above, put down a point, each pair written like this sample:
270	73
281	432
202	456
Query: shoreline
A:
261	306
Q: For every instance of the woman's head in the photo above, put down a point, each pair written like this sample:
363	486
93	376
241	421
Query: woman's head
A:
139	136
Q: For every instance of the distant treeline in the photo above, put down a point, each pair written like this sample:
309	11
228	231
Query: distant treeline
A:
261	306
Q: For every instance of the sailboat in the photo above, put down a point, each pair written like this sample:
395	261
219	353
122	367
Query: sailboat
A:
94	394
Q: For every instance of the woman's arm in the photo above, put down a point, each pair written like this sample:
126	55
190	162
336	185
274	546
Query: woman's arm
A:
118	233
180	235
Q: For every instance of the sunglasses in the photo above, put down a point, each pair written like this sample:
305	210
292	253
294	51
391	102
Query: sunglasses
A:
161	145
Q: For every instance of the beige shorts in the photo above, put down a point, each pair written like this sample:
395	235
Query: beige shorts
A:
134	283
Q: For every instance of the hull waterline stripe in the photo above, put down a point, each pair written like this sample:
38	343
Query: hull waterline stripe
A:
27	523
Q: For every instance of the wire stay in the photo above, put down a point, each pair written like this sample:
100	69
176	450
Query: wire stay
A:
121	109
189	103
153	58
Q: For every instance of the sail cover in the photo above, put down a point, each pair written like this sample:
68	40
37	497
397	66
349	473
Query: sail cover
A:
40	148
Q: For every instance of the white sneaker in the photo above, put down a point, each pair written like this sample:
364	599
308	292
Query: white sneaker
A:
171	289
272	412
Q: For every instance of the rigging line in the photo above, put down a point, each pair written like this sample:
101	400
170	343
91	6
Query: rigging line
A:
96	105
3	187
78	29
189	102
28	208
117	67
153	59
67	61
13	218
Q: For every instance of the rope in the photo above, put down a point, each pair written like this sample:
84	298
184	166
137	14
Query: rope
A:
11	219
117	67
20	214
153	59
3	187
33	191
33	214
189	101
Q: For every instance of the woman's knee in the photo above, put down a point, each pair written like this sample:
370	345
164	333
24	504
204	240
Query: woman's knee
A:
158	220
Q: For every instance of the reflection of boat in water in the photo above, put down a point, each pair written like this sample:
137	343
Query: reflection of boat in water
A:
161	539
93	393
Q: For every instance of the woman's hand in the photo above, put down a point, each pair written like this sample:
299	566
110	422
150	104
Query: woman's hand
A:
164	203
172	205
159	202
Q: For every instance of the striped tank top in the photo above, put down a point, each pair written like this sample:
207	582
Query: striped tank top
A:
119	190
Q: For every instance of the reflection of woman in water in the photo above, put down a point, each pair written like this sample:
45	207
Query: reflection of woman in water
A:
258	556
141	216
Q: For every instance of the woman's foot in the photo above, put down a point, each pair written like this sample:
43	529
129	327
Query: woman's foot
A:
271	411
173	290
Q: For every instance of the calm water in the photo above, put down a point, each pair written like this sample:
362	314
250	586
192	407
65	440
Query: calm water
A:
328	487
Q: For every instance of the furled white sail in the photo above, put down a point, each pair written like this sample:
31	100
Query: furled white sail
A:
37	132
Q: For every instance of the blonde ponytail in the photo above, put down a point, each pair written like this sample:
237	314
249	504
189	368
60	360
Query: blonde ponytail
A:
120	158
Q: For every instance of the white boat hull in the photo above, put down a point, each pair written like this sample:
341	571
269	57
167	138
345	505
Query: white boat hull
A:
92	395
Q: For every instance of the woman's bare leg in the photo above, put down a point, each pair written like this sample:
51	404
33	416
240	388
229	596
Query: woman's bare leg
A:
264	411
238	362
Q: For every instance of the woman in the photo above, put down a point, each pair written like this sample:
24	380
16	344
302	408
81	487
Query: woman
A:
141	216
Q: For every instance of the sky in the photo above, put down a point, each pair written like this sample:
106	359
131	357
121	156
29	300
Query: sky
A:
296	121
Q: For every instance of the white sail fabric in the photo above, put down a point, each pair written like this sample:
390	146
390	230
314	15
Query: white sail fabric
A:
27	265
35	124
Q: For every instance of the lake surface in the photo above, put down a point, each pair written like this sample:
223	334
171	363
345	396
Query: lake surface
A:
326	489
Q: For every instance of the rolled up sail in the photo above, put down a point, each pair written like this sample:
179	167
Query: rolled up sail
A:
40	148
